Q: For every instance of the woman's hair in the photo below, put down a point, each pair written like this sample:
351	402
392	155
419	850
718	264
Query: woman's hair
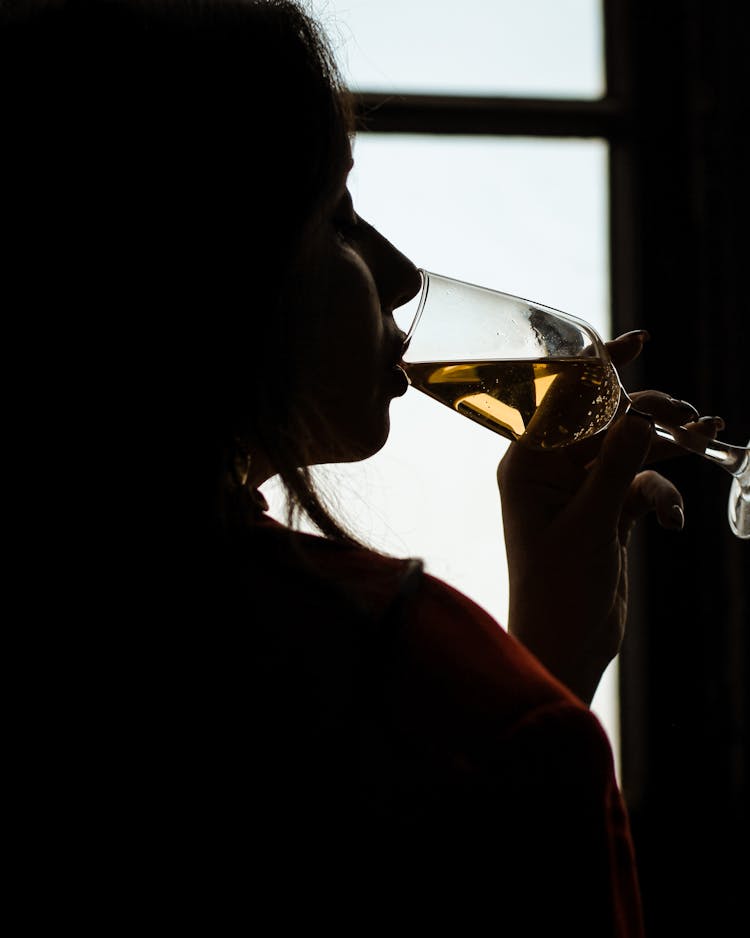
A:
166	158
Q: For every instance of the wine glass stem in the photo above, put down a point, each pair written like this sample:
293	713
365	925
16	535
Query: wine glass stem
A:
734	459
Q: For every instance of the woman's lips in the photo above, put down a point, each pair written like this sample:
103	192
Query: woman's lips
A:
400	381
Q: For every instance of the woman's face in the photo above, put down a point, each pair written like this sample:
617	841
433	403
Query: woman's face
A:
349	279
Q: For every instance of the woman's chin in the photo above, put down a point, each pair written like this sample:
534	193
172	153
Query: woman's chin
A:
359	448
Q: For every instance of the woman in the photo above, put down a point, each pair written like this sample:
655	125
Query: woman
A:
334	718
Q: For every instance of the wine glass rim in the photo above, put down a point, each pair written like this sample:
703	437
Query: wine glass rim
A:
426	275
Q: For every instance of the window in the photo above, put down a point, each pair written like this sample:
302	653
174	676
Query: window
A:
539	48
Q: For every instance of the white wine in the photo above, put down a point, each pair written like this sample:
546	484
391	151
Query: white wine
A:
548	402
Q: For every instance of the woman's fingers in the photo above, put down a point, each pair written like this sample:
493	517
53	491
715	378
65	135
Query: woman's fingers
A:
691	431
626	347
649	492
680	416
666	410
617	494
607	485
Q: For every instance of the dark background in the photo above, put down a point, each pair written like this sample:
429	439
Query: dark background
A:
680	168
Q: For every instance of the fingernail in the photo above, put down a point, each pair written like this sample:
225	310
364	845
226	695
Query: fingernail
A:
642	334
676	518
686	405
716	421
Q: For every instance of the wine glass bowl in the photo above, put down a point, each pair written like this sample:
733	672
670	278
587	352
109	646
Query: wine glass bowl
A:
519	368
532	373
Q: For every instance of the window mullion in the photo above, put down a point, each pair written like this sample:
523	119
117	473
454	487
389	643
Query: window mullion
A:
453	114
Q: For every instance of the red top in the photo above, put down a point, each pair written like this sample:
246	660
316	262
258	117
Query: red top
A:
431	750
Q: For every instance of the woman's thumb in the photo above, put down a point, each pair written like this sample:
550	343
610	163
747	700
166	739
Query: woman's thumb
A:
620	459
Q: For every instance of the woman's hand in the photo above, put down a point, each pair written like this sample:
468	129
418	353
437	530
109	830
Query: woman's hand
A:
568	515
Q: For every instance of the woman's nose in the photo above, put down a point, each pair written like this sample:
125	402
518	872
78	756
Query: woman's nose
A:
399	280
411	283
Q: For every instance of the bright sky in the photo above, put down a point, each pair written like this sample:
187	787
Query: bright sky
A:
526	216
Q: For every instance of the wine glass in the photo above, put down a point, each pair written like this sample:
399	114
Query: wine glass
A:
533	374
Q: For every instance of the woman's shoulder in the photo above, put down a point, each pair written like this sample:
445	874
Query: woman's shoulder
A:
470	655
308	563
441	646
433	614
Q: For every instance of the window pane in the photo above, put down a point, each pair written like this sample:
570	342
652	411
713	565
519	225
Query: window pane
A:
527	216
535	48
